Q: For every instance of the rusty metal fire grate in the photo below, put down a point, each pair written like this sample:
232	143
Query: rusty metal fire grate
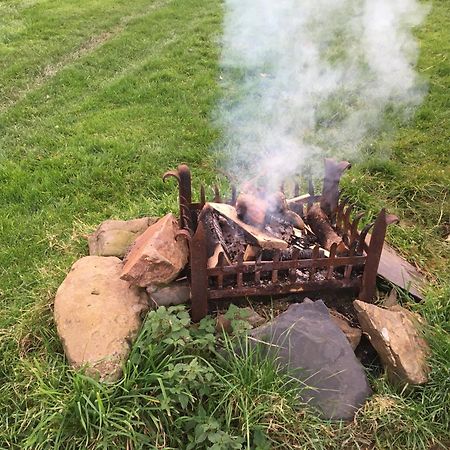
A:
279	271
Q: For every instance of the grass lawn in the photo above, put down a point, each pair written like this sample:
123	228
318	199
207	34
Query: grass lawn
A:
97	99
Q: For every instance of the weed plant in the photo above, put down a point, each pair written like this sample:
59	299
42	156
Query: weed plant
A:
186	386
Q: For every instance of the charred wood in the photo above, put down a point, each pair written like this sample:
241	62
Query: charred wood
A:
253	235
321	226
251	253
213	260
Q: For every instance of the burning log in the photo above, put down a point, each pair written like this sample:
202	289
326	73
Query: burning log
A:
216	243
258	210
294	219
251	209
253	234
320	225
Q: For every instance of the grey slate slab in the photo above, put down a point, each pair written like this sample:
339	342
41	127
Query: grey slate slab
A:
314	350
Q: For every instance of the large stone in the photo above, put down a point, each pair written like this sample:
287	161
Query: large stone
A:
394	334
313	349
157	256
352	334
98	315
176	293
114	237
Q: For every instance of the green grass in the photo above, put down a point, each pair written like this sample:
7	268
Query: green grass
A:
98	99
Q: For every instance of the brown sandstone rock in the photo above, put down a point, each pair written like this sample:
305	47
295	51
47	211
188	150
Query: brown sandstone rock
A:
97	315
156	257
393	333
351	333
114	237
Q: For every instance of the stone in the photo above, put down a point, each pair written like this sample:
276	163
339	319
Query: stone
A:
391	299
395	269
176	293
223	324
352	334
253	318
157	256
311	347
249	315
98	315
394	333
114	237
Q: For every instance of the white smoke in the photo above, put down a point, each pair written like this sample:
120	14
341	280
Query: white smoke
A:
303	78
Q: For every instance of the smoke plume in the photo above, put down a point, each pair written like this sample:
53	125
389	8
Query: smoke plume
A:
303	79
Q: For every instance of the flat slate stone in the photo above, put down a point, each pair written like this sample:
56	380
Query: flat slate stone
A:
400	272
309	344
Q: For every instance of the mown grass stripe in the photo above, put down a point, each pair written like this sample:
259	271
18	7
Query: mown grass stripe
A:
90	45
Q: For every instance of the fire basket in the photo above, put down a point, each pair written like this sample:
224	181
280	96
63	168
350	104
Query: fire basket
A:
230	258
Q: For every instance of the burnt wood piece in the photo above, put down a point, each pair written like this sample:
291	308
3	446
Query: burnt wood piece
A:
234	237
214	234
294	219
213	260
302	253
315	256
253	235
302	199
251	209
251	253
288	218
297	203
259	210
331	179
321	226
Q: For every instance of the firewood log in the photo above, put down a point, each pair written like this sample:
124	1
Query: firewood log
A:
253	235
294	219
251	252
251	209
320	225
213	260
256	209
